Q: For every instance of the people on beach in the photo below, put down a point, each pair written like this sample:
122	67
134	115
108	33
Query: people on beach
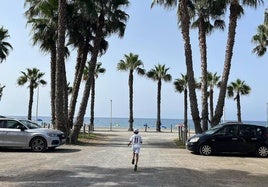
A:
136	141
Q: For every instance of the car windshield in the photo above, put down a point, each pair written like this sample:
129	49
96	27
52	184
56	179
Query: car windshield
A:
213	129
30	124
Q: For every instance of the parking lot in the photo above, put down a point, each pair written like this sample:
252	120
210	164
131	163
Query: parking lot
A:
106	161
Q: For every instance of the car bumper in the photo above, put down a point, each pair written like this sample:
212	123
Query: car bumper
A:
192	146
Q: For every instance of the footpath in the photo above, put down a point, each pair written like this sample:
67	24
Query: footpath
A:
106	161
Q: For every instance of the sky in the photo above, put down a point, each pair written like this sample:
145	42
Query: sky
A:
153	34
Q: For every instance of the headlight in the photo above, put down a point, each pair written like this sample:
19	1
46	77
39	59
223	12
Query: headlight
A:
194	139
52	134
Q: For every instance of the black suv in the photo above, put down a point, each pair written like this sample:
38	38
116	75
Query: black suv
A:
231	138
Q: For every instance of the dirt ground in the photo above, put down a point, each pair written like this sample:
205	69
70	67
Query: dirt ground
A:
106	161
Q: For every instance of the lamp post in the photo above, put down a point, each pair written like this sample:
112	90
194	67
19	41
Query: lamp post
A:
111	122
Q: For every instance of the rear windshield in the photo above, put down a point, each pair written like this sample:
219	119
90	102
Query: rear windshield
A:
30	124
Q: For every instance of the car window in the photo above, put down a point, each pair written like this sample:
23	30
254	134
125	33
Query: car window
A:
3	124
230	130
30	124
248	131
12	124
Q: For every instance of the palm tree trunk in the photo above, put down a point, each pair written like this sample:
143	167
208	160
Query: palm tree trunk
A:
30	103
185	114
82	110
227	63
92	104
80	65
185	26
238	108
53	84
130	84
60	66
211	103
204	85
158	120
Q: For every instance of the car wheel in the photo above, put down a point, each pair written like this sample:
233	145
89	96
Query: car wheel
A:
38	144
205	149
262	151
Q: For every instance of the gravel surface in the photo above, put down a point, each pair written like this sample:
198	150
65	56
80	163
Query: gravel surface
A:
106	161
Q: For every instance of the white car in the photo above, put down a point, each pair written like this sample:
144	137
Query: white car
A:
27	134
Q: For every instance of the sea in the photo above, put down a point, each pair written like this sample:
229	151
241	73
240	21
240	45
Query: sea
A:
140	123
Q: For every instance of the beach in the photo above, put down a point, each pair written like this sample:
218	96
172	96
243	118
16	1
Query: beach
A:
106	161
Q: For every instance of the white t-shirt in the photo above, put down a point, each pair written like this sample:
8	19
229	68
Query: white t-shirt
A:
136	140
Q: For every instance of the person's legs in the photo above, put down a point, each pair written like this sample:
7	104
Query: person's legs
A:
133	158
137	158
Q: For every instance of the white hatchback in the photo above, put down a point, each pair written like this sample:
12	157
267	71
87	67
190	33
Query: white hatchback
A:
27	134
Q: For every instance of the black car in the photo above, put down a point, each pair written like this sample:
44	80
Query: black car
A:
231	138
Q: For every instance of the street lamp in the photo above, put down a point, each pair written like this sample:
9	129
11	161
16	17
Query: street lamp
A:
111	115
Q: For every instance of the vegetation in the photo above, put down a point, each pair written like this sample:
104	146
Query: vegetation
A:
181	86
236	89
98	71
4	45
131	63
159	74
34	78
85	26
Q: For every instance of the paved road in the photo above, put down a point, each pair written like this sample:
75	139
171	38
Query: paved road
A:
107	162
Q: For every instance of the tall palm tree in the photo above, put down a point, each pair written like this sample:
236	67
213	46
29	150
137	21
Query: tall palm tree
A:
181	85
236	11
1	91
159	74
184	21
261	38
111	19
131	63
213	81
4	46
203	13
34	78
61	99
41	15
98	71
236	89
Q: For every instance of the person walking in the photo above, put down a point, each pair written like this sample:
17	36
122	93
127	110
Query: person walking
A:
136	141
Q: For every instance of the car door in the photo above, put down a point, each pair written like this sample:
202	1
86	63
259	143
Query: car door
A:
226	139
14	135
2	132
248	134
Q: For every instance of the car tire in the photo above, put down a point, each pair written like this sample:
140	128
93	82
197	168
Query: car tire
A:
262	151
38	144
205	149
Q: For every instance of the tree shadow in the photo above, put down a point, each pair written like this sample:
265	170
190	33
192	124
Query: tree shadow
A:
84	176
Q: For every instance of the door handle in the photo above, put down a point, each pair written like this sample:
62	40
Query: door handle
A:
234	138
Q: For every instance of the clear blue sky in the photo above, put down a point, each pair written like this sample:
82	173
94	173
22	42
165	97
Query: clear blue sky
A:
153	35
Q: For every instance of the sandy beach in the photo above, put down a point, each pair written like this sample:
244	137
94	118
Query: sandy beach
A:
106	161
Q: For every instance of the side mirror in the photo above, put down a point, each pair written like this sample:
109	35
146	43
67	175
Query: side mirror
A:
21	127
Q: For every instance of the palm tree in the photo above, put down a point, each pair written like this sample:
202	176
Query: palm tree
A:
98	71
261	38
213	80
131	63
236	11
34	78
236	89
181	85
43	19
184	21
61	99
4	46
110	20
203	13
158	74
1	91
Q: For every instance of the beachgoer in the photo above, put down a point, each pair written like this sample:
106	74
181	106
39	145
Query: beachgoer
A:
136	141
